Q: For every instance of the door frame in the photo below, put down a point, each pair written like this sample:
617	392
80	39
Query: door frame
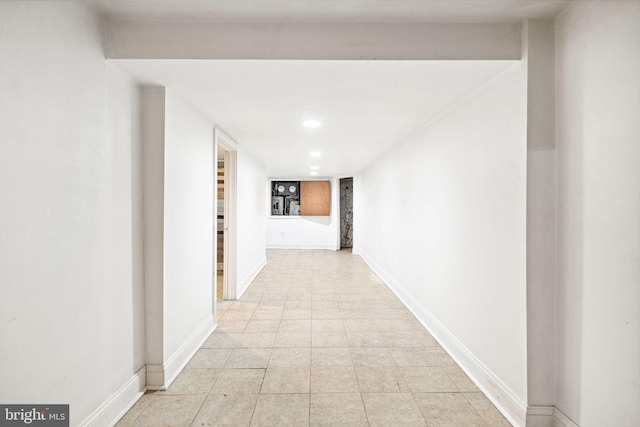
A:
230	250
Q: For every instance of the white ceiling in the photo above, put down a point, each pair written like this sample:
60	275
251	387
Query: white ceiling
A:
333	10
365	106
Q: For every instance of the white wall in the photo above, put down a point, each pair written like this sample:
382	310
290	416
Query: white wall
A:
442	220
538	57
71	310
188	222
598	137
251	220
310	232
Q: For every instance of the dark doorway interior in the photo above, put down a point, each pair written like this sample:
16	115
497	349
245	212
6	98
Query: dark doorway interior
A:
346	213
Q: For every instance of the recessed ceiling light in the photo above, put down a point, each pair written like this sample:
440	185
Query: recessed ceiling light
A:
315	168
311	123
315	154
314	172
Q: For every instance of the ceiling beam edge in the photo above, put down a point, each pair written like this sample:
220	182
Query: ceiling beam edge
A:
312	41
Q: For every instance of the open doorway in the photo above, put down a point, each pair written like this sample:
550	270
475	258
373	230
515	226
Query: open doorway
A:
225	221
220	227
346	213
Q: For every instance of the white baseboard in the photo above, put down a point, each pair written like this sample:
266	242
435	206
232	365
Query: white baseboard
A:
561	420
507	402
114	408
248	278
155	377
287	246
547	416
540	416
159	377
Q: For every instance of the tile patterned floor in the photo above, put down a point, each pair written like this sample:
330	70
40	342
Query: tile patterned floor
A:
317	340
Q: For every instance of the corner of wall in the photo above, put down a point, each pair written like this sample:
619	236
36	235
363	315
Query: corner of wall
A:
149	377
539	416
561	420
547	416
160	377
120	402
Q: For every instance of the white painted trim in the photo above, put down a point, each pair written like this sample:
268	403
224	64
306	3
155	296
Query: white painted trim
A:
155	377
547	416
561	420
540	410
114	408
287	217
287	246
160	377
252	274
183	355
223	138
507	402
540	416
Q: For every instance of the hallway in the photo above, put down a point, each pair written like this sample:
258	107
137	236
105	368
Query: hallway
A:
317	339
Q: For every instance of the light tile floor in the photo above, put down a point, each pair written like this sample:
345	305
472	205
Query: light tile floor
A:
317	340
